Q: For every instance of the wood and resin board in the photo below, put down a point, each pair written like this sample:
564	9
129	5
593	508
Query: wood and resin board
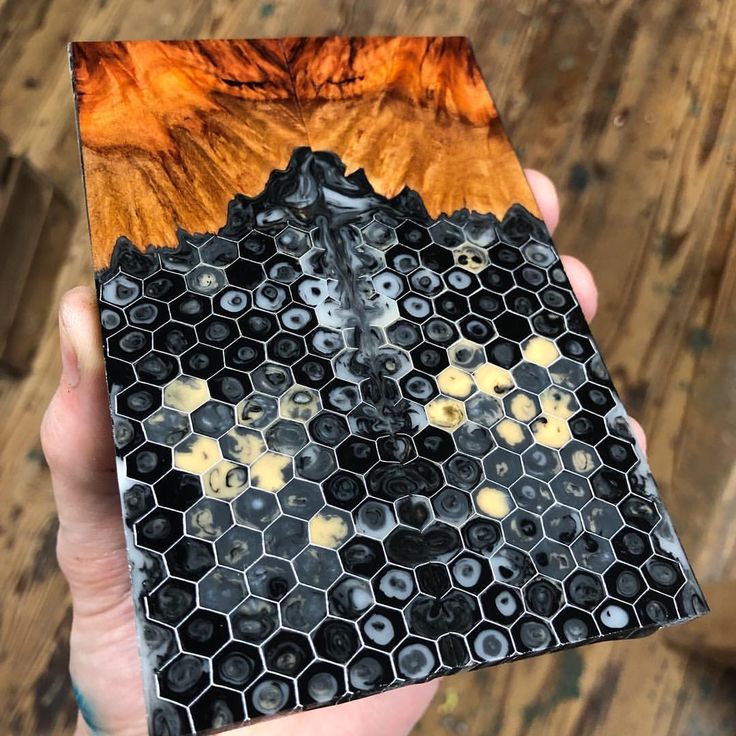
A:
364	435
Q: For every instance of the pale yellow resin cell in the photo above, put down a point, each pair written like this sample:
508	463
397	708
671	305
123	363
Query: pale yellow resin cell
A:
186	393
446	413
511	432
523	408
327	530
541	351
494	380
557	402
269	472
225	480
300	403
493	502
551	431
454	382
242	445
196	454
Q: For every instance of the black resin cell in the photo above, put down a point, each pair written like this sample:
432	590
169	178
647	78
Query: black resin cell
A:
363	447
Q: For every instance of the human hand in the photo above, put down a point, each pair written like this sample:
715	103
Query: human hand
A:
77	441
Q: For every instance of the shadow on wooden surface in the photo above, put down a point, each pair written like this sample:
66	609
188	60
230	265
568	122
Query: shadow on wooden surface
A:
630	107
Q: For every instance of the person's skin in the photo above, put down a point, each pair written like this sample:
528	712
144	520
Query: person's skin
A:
77	441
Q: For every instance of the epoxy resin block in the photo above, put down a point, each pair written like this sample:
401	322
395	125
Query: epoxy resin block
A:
364	436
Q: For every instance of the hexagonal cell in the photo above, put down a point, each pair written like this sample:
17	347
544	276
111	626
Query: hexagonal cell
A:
156	368
522	529
208	519
512	566
271	578
344	490
225	480
656	608
562	523
217	332
213	418
496	280
196	454
315	462
203	632
595	398
255	509
205	280
532	634
254	620
613	616
271	471
521	406
300	403
502	604
350	597
330	528
286	537
317	567
222	589
186	393
473	439
640	512
553	559
433	579
486	304
592	552
287	653
529	277
601	517
439	331
609	485
542	462
362	556
624	582
238	547
394	586
202	361
158	529
336	640
184	678
502	466
271	296
190	308
328	428
477	329
452	505
271	379
166	426
138	401
357	455
543	596
148	462
286	348
429	358
190	558
483	409
313	372
231	302
236	665
286	437
178	490
531	494
482	536
171	602
617	453
502	352
383	628
663	574
303	609
512	435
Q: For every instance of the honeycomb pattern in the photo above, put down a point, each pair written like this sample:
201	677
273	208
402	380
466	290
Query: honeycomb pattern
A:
361	447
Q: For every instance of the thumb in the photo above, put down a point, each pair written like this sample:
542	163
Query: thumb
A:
77	440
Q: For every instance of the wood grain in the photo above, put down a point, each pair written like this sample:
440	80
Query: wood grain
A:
631	108
171	131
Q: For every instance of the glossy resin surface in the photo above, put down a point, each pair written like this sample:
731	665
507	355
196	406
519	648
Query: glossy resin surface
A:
361	447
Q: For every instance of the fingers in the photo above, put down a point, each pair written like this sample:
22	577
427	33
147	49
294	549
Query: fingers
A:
581	280
545	193
638	431
76	433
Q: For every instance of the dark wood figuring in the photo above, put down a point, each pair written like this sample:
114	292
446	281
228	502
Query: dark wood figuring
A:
630	108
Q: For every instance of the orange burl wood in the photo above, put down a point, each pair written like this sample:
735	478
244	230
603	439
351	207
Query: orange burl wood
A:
172	130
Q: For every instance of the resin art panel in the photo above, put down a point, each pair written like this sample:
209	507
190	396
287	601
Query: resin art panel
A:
364	436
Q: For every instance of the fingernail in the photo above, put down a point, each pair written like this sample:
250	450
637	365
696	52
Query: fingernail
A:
70	374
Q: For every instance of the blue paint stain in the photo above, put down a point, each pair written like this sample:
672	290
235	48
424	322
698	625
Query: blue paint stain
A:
267	10
85	710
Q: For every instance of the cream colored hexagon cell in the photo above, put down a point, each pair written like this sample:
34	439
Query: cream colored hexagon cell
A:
494	380
225	480
551	431
540	351
492	501
523	408
511	432
271	472
196	454
186	393
456	383
328	530
445	413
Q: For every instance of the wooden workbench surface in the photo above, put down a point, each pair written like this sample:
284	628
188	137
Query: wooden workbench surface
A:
631	108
